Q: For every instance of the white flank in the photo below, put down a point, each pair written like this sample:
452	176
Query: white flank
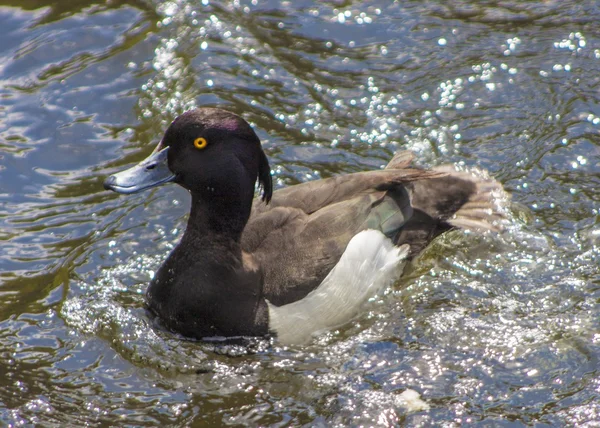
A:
370	263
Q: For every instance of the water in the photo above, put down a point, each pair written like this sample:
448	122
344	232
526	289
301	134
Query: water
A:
489	330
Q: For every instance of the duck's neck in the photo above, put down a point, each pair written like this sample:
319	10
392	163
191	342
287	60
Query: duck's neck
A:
218	215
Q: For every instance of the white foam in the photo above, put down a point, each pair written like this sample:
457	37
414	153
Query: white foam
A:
412	402
370	263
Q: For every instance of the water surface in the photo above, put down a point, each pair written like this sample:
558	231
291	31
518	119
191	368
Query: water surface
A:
490	330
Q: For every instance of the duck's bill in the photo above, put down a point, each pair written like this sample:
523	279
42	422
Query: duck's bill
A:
151	172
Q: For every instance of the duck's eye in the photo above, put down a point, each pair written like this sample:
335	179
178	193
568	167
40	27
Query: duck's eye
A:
200	143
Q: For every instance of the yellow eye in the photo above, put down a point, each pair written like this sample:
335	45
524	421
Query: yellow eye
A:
200	143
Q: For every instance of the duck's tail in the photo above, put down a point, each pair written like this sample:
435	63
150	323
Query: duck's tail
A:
485	206
468	199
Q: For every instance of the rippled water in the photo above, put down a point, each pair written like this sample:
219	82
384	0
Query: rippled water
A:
489	330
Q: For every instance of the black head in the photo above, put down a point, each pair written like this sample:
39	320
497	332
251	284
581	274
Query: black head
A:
210	152
213	150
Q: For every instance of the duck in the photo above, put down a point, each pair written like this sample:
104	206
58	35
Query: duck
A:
296	260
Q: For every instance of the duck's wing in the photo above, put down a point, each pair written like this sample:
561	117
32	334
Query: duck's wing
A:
302	233
314	195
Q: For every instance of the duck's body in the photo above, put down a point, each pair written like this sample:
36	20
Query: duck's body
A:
237	254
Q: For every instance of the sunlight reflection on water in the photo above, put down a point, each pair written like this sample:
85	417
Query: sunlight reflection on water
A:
493	329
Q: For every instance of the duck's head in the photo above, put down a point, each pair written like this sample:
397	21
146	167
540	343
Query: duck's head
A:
211	152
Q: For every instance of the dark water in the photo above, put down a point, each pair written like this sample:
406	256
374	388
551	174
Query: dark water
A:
492	330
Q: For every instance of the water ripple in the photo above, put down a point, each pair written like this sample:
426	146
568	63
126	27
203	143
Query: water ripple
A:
493	329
